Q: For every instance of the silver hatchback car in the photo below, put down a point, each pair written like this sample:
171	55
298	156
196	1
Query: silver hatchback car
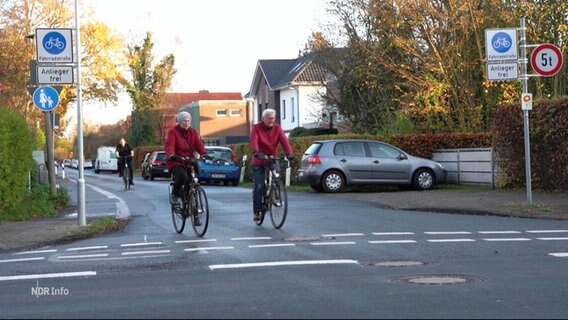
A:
331	165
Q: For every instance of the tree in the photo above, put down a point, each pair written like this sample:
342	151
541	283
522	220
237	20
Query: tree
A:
147	86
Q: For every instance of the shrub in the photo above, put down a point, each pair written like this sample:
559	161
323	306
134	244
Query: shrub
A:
15	158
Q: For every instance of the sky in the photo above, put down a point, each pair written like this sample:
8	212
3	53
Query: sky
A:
216	43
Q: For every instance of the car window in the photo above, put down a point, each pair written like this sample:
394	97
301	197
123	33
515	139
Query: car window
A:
160	156
313	149
223	154
353	149
381	150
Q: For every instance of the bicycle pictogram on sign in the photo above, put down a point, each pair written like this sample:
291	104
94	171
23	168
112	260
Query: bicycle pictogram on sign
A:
54	42
501	42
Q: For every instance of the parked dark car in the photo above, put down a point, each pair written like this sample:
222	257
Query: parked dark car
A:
331	165
219	165
154	166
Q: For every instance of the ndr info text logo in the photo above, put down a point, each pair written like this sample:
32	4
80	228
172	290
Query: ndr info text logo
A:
49	291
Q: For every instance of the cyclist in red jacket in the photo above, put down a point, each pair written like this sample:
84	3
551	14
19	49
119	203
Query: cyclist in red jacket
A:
182	141
264	139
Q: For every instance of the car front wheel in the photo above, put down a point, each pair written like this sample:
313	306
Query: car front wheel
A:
423	179
332	181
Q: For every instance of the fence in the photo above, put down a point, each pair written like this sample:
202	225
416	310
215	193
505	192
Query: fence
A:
470	166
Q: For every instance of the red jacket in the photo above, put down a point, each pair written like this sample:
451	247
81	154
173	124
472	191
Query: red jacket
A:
265	140
182	143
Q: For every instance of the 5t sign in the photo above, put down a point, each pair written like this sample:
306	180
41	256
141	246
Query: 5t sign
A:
546	59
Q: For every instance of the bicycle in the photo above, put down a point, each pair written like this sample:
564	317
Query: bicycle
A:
194	202
274	197
126	172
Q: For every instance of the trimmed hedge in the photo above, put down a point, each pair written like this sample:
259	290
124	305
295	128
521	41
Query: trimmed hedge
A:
421	145
15	158
548	139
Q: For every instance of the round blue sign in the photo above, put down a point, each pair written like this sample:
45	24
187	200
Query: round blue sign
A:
46	98
54	42
501	42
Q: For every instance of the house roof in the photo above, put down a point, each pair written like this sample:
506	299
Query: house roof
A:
280	73
177	99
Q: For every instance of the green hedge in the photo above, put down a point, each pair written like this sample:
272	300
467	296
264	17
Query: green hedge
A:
548	138
15	158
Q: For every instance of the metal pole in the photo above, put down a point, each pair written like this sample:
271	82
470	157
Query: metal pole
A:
524	78
81	179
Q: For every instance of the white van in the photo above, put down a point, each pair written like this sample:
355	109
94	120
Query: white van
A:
106	159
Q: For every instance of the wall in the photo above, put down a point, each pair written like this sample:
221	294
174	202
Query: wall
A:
310	107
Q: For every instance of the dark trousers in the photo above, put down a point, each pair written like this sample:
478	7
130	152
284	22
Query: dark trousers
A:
121	166
179	175
259	186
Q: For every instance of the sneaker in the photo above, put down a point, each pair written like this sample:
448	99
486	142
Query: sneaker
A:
174	200
120	174
196	221
131	182
256	216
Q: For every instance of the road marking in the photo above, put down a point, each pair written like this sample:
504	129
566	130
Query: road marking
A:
507	239
560	254
141	244
272	245
87	248
208	248
552	238
450	240
391	241
547	231
447	232
85	256
279	263
194	241
22	260
392	233
498	232
122	210
34	252
343	235
251	238
145	252
50	275
332	243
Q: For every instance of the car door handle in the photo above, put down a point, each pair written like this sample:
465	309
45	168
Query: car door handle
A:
376	161
343	160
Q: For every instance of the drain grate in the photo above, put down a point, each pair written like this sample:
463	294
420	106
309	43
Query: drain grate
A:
439	279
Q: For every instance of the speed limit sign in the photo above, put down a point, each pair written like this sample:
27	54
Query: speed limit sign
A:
546	59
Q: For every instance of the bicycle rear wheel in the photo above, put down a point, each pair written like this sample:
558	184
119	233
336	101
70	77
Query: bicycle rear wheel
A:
178	216
199	210
278	204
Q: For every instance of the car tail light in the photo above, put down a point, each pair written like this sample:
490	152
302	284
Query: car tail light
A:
156	162
314	159
233	158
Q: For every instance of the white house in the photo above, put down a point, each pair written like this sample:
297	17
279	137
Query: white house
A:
292	87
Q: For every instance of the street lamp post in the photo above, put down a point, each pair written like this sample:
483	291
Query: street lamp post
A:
81	179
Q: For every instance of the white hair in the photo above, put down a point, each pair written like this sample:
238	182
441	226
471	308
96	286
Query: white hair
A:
267	112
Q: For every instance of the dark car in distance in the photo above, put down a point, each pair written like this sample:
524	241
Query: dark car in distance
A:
154	166
331	165
219	165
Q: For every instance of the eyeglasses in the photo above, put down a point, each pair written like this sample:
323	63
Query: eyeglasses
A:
185	121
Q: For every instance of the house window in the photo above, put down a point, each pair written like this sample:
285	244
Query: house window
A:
235	113
293	109
283	109
211	141
221	112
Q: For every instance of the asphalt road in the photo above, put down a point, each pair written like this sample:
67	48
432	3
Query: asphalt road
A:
334	258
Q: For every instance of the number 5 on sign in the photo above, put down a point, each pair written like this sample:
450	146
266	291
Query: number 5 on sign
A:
546	59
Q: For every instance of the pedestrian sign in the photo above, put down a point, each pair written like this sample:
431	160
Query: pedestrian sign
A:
46	98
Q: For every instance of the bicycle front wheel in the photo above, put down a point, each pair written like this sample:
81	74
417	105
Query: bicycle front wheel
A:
125	178
278	205
178	218
199	212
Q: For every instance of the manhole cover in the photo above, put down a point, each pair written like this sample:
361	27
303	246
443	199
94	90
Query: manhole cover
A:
399	263
439	279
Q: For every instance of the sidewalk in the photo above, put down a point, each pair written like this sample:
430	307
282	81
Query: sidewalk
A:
36	233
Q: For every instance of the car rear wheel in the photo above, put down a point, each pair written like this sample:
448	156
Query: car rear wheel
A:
235	183
333	181
423	179
151	176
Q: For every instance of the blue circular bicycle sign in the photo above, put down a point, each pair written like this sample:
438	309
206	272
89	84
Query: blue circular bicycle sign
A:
54	42
501	42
